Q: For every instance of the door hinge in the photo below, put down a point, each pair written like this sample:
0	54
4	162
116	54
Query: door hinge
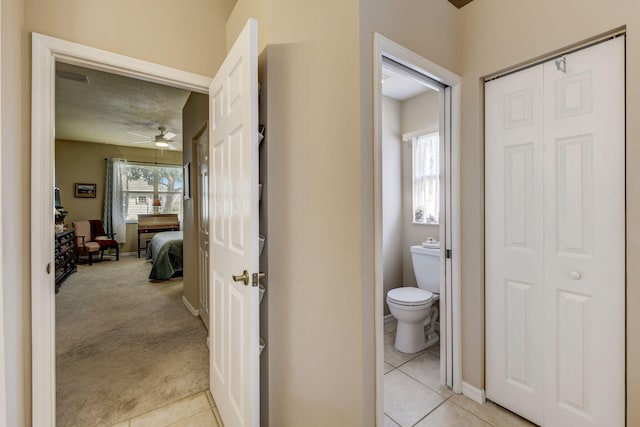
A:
49	268
256	278
447	253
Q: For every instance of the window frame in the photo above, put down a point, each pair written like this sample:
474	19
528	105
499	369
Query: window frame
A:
427	177
155	193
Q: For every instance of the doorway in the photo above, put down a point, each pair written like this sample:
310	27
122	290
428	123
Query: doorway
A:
46	52
445	85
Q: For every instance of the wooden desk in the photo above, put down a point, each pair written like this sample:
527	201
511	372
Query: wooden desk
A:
155	223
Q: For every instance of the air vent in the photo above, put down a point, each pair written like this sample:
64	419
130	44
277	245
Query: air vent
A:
81	78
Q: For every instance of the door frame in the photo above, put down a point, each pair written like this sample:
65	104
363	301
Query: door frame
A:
451	307
46	51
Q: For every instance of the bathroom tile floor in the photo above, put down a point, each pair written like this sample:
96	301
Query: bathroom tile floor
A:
413	395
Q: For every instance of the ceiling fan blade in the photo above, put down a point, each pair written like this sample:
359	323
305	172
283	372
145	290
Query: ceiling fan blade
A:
138	134
172	147
139	142
169	135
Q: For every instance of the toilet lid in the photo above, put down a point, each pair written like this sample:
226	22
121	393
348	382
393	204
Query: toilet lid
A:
409	296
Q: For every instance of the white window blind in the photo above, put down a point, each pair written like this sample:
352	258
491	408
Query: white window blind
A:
426	178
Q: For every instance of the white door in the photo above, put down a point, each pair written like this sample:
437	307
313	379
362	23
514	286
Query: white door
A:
202	147
555	194
233	166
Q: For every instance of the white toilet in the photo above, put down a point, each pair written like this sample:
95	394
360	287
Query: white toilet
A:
416	308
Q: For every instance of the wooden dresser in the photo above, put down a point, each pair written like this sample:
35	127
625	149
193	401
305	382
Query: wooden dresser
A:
155	223
65	256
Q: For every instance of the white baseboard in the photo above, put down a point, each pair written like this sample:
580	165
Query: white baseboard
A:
473	393
192	310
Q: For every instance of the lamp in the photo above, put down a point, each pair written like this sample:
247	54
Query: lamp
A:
156	205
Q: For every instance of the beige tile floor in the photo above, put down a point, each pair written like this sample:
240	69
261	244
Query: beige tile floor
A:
413	395
198	410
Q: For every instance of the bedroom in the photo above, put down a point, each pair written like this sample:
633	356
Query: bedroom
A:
128	338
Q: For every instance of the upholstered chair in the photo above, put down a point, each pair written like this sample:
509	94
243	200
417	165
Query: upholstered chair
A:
91	239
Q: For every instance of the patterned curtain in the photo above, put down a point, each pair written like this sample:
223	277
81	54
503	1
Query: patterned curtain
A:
115	201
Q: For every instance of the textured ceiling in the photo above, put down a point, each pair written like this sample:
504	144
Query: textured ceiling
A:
459	3
109	106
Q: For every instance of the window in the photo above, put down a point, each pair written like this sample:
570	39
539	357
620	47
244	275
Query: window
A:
149	183
425	154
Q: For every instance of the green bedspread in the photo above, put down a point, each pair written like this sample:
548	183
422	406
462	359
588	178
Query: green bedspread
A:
165	249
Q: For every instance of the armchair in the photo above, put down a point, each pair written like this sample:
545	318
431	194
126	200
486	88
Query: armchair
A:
91	239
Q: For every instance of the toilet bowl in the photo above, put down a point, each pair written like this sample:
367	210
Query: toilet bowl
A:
416	308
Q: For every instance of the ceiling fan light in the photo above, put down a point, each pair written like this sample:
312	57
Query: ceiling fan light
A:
161	144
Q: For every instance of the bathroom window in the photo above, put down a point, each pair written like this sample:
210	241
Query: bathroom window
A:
425	154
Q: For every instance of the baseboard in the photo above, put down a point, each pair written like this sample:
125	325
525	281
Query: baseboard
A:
473	393
192	310
389	318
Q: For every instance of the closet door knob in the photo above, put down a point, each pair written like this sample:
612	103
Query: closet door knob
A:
575	275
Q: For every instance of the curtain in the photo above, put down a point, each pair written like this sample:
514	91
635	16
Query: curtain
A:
426	178
115	202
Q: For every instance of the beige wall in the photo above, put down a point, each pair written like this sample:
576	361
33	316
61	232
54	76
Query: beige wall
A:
85	162
498	34
195	115
418	113
392	195
195	42
314	211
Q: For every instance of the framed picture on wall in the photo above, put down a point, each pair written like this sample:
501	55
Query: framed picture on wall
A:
187	181
85	191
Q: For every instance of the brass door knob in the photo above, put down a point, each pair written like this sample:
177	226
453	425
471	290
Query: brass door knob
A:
244	277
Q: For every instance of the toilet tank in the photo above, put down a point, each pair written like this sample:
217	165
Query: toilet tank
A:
426	267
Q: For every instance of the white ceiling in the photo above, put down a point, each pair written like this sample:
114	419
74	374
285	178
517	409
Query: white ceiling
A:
399	86
109	106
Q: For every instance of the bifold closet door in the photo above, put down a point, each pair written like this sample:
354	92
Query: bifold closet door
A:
555	336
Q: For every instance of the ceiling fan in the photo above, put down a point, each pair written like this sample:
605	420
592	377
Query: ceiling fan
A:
162	140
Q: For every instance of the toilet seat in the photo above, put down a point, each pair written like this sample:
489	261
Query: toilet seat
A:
409	296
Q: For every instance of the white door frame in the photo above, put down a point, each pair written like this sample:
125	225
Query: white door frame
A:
3	386
46	51
385	47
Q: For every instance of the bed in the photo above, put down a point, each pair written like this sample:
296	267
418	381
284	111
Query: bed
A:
165	250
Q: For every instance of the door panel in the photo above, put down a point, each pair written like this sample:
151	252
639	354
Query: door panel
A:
585	238
234	356
514	279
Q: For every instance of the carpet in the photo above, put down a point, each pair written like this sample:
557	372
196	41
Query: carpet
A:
124	345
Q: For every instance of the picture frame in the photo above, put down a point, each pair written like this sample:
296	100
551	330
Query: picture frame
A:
85	191
187	180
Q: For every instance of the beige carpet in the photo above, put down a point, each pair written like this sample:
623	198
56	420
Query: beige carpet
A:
124	345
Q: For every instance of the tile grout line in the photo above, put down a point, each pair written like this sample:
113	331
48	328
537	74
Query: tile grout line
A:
392	419
430	412
475	415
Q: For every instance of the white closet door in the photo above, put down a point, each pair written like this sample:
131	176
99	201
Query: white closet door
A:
514	266
584	191
555	239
